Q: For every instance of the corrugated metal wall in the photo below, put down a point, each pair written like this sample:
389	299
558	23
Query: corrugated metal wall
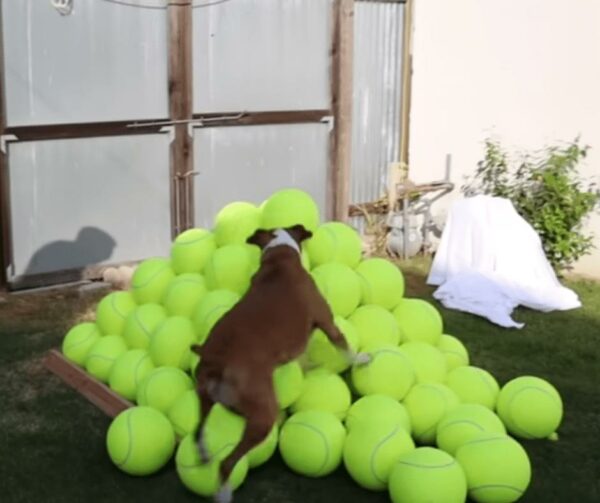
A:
378	29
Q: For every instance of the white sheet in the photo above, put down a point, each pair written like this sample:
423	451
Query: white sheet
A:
490	260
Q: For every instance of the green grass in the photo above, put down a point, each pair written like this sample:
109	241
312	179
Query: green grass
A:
52	439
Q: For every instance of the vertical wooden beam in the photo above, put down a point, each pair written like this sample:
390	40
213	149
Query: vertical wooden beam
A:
181	108
5	232
406	81
341	81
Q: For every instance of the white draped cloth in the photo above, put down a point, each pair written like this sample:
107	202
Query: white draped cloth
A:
490	260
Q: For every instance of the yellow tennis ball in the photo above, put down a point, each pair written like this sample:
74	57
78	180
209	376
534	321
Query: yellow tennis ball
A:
162	387
305	259
79	339
103	354
184	414
191	250
140	441
203	478
311	443
375	325
210	310
530	407
140	324
427	404
112	311
464	423
382	282
389	373
454	351
236	222
339	285
171	342
289	207
335	242
128	371
497	468
427	475
151	280
377	409
230	268
474	385
260	454
419	321
321	352
371	450
324	390
288	380
427	360
184	293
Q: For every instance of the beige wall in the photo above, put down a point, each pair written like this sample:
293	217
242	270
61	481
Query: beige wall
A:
524	71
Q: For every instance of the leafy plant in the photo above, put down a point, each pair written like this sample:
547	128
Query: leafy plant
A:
546	190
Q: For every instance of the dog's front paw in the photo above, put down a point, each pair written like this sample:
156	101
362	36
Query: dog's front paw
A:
362	358
225	494
204	454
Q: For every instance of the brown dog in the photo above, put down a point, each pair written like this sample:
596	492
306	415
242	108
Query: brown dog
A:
268	327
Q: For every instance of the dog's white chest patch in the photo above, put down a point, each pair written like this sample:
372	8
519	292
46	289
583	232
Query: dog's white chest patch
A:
282	238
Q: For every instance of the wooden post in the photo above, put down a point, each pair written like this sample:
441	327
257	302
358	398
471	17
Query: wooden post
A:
341	81
96	392
406	82
5	232
181	108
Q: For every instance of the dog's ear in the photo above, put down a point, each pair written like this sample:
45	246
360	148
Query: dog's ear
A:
261	238
299	233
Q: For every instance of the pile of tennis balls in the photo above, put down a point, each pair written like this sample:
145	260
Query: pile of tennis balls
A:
418	421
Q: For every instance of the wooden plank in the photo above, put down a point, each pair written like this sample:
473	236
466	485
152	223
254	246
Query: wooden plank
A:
181	108
341	81
96	392
265	117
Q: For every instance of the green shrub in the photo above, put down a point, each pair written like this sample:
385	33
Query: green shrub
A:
546	190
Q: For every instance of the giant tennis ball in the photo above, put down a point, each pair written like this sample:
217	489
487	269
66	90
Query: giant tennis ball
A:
103	354
140	441
236	222
324	390
184	293
389	373
79	340
530	407
112	311
203	478
497	468
371	450
382	282
151	280
428	361
454	351
230	268
311	443
128	371
427	405
260	454
191	250
419	321
210	310
289	207
377	409
288	380
464	423
427	475
375	325
474	385
184	414
171	342
140	324
321	352
162	387
334	242
340	286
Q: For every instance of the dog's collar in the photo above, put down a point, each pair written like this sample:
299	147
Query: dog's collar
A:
282	238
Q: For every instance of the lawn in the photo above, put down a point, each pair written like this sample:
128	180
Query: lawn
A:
52	439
